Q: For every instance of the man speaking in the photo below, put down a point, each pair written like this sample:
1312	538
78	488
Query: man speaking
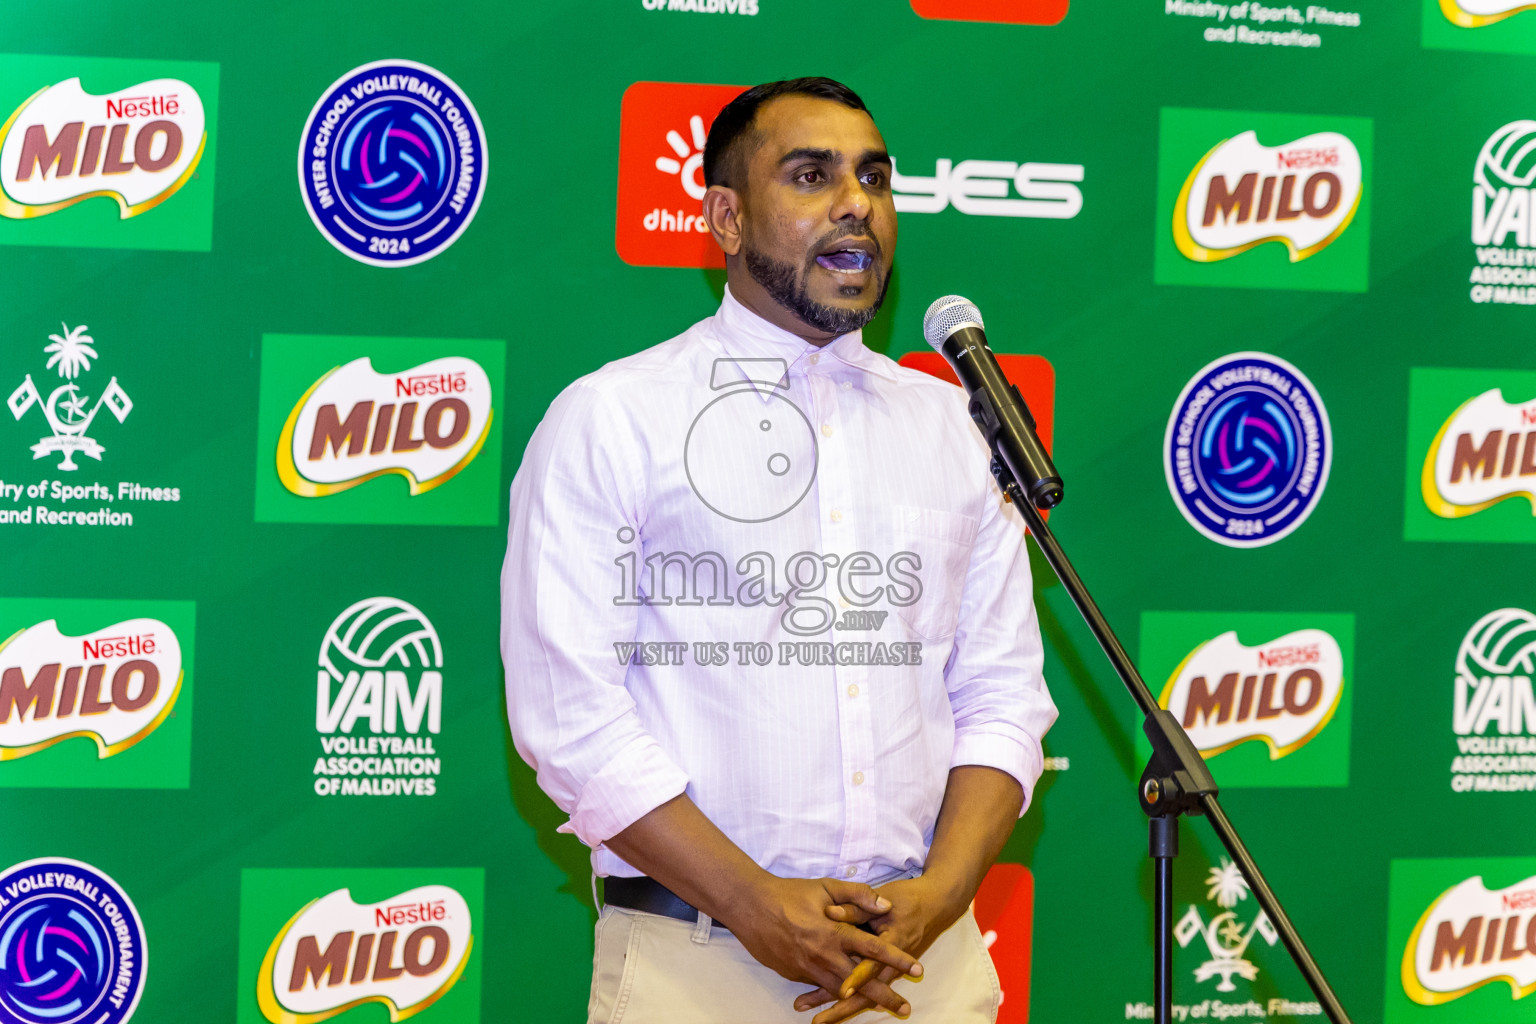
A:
767	621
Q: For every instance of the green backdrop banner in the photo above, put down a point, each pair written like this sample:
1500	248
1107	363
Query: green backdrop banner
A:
288	286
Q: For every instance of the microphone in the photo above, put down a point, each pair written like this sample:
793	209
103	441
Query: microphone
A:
953	327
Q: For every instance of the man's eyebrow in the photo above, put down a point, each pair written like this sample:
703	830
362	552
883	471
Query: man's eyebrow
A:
824	156
875	156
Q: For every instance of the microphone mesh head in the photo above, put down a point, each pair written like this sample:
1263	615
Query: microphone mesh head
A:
946	315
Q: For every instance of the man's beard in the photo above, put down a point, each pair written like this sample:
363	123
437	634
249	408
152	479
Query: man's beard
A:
788	289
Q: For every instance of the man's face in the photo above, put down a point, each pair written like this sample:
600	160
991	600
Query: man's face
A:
818	220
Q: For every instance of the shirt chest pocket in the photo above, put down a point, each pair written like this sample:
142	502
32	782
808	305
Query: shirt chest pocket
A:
932	551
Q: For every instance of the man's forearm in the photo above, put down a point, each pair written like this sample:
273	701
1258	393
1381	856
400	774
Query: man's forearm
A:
980	808
686	852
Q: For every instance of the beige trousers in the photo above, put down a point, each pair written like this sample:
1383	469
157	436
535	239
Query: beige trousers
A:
649	969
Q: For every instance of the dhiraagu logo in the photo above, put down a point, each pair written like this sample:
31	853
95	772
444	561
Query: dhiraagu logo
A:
379	430
1265	696
1261	200
107	153
317	944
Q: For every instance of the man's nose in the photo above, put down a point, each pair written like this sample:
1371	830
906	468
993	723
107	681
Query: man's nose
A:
852	200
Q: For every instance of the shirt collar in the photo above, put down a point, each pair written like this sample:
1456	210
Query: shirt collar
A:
745	335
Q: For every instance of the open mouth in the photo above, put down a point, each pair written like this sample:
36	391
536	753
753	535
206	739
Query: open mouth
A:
846	261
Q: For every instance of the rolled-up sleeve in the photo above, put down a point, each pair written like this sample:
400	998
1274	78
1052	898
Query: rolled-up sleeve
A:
576	506
996	690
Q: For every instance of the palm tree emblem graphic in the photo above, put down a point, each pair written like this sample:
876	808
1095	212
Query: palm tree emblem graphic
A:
1225	935
69	354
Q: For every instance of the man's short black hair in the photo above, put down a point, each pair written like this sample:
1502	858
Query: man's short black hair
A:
733	127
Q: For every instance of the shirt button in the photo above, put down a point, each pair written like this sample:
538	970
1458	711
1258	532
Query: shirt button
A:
815	358
858	778
826	430
836	516
847	385
850	871
853	689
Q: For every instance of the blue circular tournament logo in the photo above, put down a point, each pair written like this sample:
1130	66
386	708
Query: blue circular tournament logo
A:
1247	449
71	946
392	163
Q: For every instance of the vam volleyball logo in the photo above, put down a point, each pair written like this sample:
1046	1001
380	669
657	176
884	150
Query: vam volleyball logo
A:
404	953
1461	931
662	130
1260	200
1493	711
392	163
1247	449
1501	216
379	430
379	702
72	945
354	424
113	686
1280	694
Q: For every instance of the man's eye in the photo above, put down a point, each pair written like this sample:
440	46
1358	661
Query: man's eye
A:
874	178
809	177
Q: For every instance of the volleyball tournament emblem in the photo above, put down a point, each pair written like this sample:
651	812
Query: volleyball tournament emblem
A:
1247	449
69	411
1256	200
71	945
392	163
662	130
316	943
131	137
379	430
1471	466
1461	940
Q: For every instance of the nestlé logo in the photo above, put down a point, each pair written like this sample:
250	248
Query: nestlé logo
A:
1484	453
404	953
63	145
354	424
114	686
1471	936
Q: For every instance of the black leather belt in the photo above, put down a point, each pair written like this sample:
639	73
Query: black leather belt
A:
648	896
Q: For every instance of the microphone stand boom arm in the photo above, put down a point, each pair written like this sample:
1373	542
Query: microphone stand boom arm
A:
1176	780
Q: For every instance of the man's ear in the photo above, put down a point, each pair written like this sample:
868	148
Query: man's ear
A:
722	212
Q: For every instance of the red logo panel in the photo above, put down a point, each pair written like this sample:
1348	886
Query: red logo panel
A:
1034	376
662	128
1011	12
1005	913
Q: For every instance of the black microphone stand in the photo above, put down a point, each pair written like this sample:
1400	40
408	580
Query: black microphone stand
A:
1176	780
